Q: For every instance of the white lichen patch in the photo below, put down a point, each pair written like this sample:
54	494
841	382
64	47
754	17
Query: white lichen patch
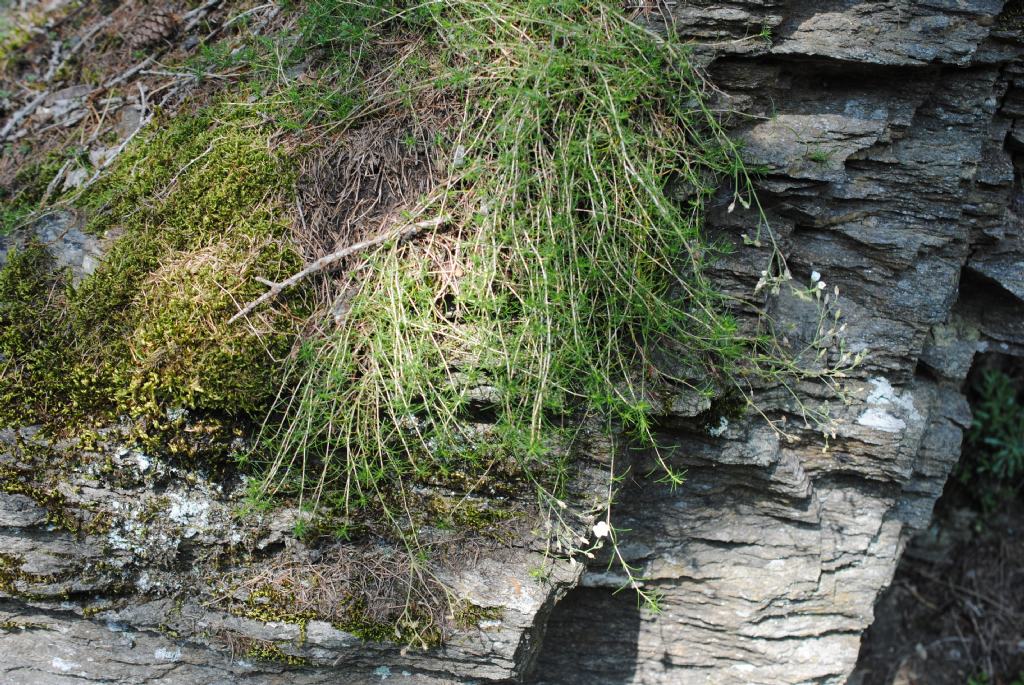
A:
879	419
191	513
719	430
63	666
888	410
144	582
162	654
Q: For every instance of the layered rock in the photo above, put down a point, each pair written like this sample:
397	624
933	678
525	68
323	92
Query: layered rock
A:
887	133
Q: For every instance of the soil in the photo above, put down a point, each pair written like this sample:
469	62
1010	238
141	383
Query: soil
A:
954	613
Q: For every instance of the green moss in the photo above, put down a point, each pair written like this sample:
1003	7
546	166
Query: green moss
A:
198	207
50	498
38	472
269	604
264	650
34	378
200	204
411	625
12	626
726	408
27	190
95	609
484	518
12	575
469	615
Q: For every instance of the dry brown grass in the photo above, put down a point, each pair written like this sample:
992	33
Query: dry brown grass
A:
376	592
352	190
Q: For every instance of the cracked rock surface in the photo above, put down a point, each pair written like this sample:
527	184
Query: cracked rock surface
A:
889	135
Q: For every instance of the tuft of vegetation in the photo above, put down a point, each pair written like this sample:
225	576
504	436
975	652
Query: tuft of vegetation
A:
819	156
557	269
994	469
559	273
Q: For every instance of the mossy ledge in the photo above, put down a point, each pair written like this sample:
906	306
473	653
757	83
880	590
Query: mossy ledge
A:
197	208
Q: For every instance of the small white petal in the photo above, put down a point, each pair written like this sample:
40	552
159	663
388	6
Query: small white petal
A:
821	285
602	529
815	277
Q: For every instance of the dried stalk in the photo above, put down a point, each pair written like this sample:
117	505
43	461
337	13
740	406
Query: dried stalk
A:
330	261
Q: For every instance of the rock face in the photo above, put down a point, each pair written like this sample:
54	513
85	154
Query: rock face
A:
888	137
888	132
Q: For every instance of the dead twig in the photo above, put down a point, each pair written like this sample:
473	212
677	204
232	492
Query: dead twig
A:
328	262
193	17
55	61
144	104
21	114
127	74
58	177
55	67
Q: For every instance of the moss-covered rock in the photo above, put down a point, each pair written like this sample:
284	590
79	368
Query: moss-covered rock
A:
198	208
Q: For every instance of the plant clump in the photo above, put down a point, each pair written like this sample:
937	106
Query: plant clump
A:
374	593
196	208
558	267
993	464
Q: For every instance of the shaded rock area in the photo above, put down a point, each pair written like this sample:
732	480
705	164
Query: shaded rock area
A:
888	135
955	610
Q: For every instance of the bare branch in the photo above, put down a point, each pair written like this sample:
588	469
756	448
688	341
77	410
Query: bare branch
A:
144	104
330	261
22	113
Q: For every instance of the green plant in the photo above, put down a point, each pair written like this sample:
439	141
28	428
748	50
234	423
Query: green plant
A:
819	156
994	466
558	271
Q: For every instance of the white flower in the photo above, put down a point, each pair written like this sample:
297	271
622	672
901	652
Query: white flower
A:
821	285
602	529
815	277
